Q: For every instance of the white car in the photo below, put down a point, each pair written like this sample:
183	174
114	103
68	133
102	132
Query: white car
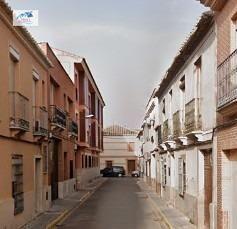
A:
135	173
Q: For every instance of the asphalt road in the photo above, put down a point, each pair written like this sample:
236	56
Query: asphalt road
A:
118	204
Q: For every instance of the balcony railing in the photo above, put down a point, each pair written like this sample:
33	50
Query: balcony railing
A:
19	111
192	116
227	80
40	127
73	128
57	117
165	132
177	124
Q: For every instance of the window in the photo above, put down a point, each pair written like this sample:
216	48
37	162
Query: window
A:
76	91
12	76
82	161
43	94
65	166
65	102
170	102
164	178
131	146
52	93
182	175
71	169
234	33
182	100
90	162
163	106
17	183
86	161
109	164
45	159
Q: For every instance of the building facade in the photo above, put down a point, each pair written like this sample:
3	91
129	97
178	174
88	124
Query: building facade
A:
120	148
183	145
225	162
89	106
51	124
63	128
24	145
148	137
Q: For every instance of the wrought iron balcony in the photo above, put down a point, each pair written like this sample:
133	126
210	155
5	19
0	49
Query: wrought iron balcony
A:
73	128
58	117
19	111
192	116
40	127
165	131
227	81
177	130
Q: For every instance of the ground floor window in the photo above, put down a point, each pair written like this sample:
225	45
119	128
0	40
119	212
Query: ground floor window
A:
17	183
164	177
182	175
109	164
45	159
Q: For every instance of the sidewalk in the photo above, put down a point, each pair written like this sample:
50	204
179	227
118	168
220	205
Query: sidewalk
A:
173	217
62	207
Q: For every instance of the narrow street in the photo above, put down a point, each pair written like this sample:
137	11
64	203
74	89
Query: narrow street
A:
119	204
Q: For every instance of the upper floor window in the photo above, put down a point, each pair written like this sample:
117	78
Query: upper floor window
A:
197	73
163	106
234	33
131	146
170	102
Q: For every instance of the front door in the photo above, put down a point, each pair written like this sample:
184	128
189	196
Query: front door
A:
54	170
233	160
38	185
131	166
207	186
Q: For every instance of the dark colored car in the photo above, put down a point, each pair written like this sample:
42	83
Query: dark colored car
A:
114	171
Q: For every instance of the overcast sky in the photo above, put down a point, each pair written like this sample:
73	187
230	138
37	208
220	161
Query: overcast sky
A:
128	44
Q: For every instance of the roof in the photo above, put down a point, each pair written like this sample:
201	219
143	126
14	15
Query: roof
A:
215	5
117	130
194	39
24	32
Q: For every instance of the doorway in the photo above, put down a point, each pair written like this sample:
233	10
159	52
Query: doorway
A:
207	186
131	166
54	170
233	166
38	185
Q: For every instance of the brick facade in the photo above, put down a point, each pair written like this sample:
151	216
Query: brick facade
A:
226	137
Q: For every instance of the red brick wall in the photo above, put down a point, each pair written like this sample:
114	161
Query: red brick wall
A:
223	20
226	140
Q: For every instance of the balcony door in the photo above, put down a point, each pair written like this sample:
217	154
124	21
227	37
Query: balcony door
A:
233	36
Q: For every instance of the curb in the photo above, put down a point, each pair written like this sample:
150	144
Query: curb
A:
62	217
154	205
166	221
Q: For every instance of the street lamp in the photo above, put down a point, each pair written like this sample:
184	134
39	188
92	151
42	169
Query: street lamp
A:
89	116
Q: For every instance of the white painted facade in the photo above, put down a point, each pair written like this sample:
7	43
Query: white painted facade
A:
119	150
184	120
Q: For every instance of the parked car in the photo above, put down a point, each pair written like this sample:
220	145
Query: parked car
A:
135	173
114	171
